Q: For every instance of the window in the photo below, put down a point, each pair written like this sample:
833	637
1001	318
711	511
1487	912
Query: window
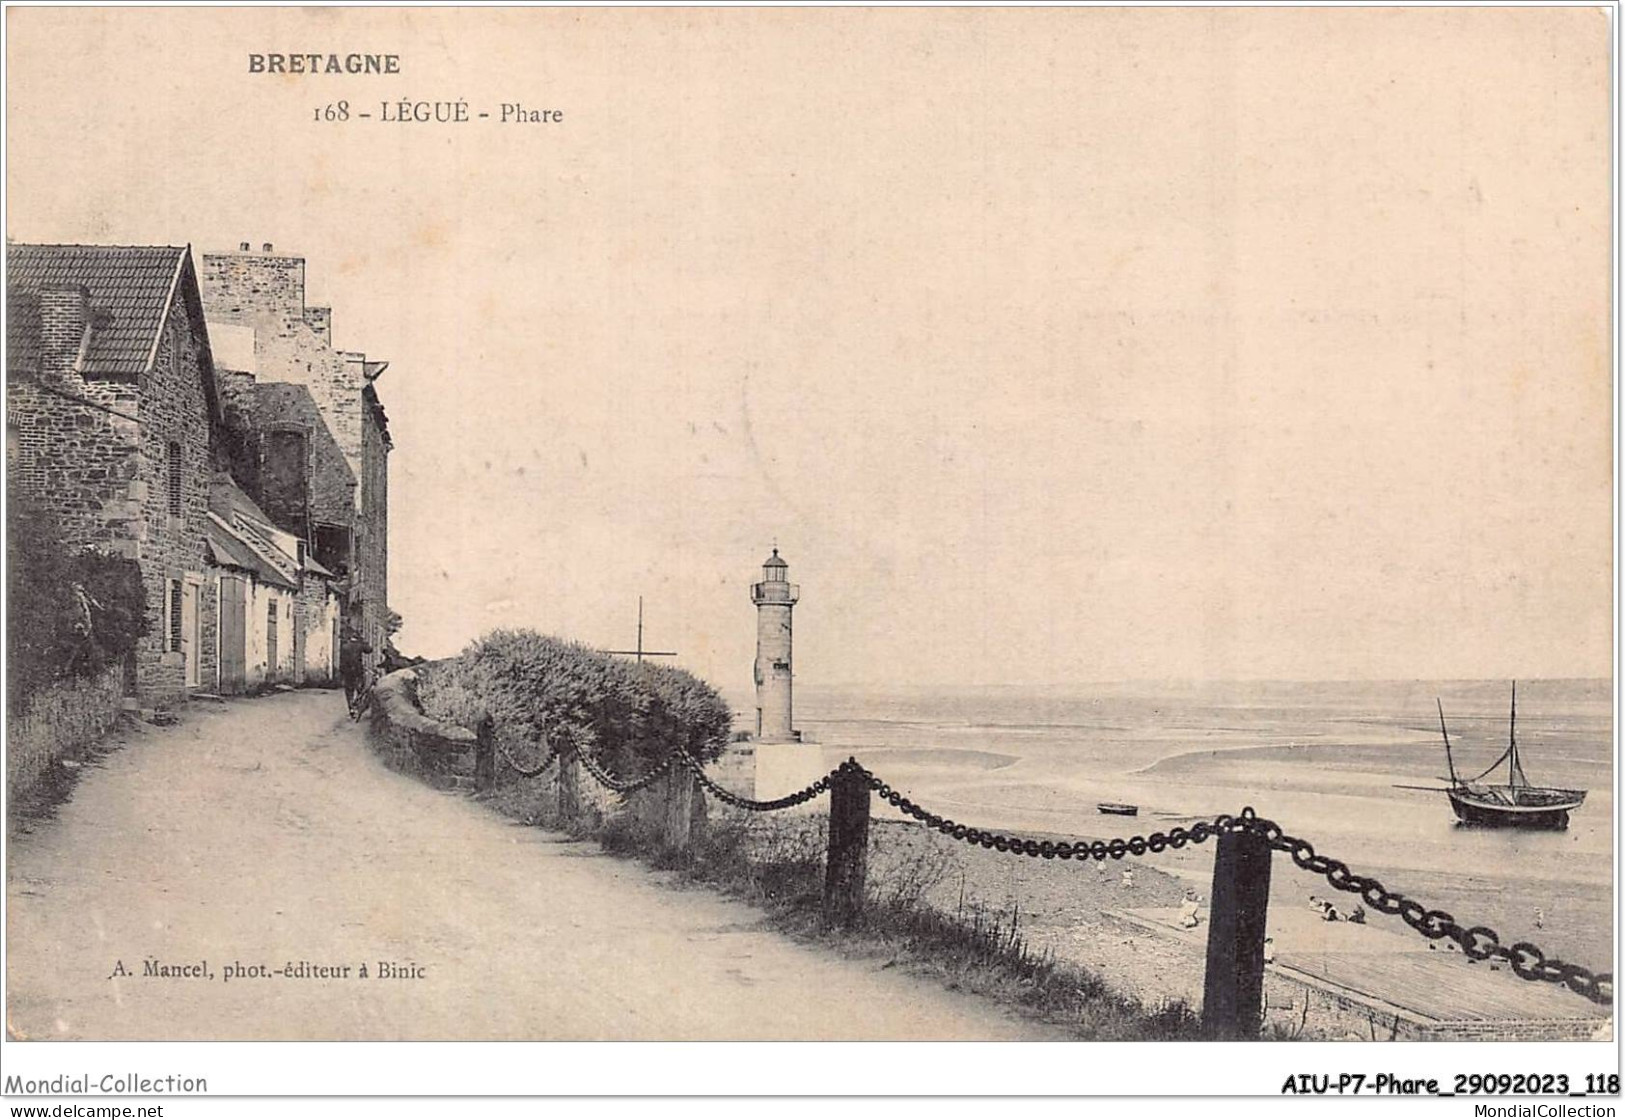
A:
175	615
175	507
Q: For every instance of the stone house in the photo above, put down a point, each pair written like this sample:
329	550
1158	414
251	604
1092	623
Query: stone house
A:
314	439
113	419
279	607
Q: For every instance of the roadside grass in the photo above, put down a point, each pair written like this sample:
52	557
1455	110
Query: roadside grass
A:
776	864
29	806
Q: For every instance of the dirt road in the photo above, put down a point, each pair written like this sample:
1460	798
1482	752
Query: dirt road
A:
264	834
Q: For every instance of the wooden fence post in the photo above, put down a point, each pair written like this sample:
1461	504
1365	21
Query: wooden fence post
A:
847	864
678	803
567	784
485	754
1233	994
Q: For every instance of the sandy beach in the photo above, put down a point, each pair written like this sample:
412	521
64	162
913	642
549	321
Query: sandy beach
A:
1323	761
1121	920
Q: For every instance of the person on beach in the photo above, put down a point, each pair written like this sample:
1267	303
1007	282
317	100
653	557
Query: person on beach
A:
1188	917
1357	915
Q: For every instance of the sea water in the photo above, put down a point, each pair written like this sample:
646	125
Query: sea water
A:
1324	759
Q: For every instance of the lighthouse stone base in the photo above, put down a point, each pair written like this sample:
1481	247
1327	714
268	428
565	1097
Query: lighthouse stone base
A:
768	771
784	768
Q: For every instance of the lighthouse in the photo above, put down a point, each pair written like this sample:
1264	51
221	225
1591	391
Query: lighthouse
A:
774	597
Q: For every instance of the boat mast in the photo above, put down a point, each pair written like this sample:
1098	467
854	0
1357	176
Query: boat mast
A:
1515	775
1448	761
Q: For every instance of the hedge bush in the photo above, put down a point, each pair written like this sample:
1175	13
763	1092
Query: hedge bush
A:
626	714
69	615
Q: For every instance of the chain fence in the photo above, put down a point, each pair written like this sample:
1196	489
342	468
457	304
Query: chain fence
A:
1479	943
728	797
616	785
553	754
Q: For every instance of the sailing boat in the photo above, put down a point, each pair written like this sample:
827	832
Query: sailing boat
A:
1518	804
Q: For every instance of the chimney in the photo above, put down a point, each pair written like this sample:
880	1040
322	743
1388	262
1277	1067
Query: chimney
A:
24	336
64	329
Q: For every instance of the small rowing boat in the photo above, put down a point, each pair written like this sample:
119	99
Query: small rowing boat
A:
1118	809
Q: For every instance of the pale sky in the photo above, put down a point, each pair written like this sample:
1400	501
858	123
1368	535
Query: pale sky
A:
1050	346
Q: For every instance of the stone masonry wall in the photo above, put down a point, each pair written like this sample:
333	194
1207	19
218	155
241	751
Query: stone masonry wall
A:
81	461
313	620
318	613
267	292
372	541
284	479
293	343
332	485
410	741
209	630
321	321
236	390
106	474
173	410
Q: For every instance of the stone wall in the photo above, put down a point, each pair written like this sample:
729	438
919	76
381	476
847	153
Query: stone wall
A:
59	723
105	474
293	343
266	291
209	628
409	741
236	393
238	451
330	485
80	460
285	457
173	410
315	615
259	669
320	320
372	536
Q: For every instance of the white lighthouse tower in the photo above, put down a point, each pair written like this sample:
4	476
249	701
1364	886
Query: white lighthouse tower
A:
774	597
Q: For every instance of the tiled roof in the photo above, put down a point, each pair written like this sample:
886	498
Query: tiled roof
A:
226	550
227	499
257	535
129	288
232	547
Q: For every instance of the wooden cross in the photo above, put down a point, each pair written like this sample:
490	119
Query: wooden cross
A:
640	653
